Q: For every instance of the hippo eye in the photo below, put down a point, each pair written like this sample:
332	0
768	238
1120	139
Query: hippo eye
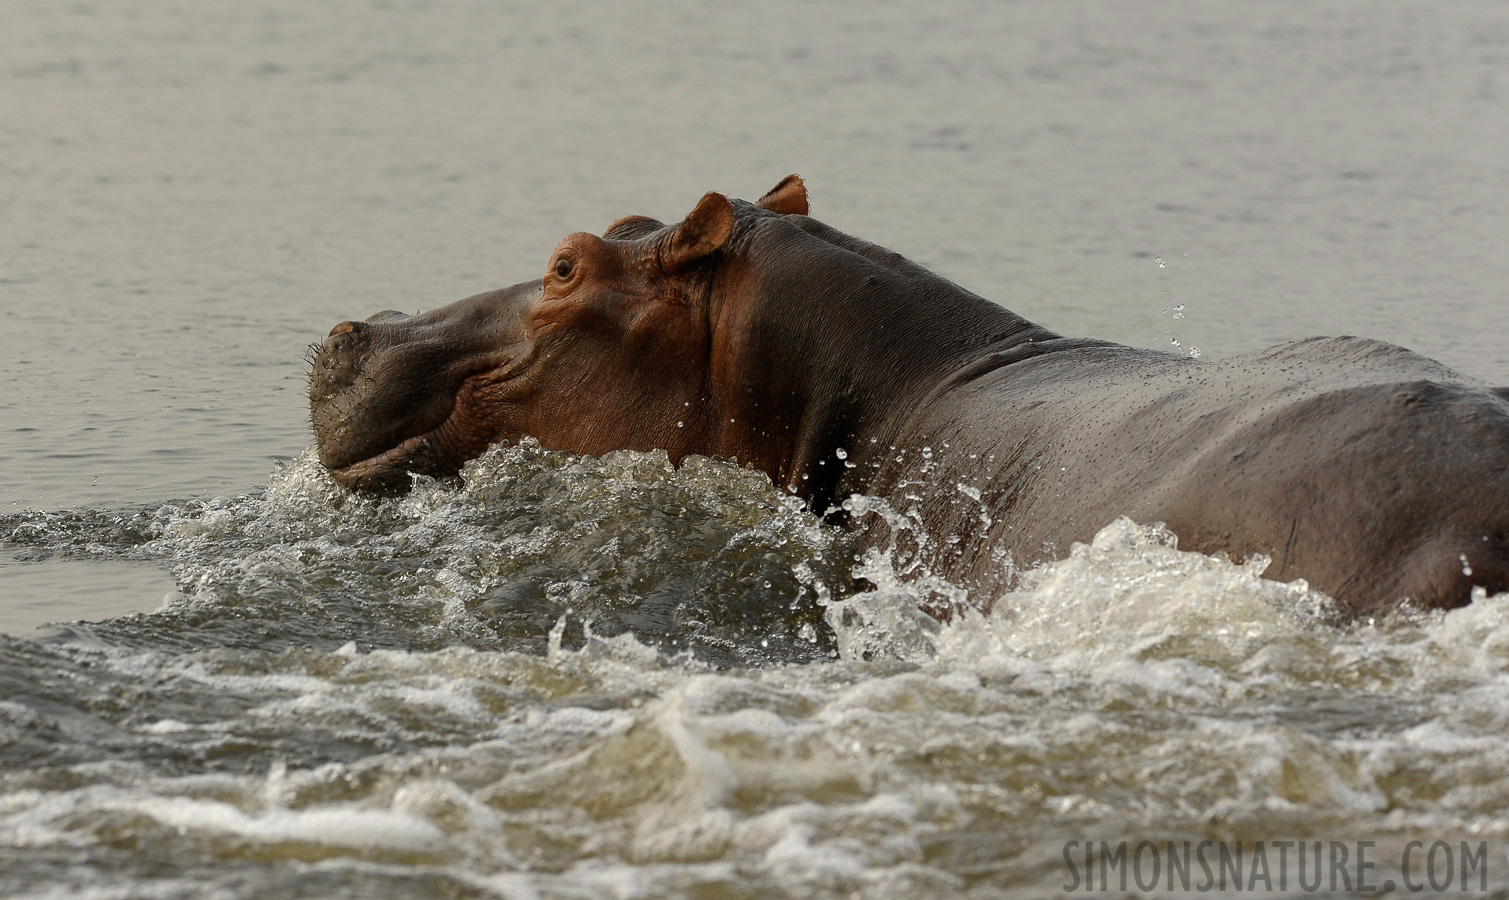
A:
563	267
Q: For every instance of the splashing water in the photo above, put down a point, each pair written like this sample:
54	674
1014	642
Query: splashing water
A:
565	677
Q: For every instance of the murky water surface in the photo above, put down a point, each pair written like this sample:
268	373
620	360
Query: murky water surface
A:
565	677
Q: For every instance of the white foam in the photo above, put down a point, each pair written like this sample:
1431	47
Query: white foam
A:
706	769
344	826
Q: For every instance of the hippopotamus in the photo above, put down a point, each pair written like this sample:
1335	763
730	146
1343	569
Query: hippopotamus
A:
754	332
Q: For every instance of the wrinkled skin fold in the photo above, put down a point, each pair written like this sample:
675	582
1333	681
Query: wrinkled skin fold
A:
751	331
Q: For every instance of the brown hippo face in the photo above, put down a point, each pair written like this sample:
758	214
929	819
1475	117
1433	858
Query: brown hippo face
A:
609	350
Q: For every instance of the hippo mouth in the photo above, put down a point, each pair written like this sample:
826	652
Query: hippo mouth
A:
377	434
431	449
391	468
440	438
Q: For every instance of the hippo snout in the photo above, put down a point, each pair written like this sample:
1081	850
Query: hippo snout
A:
385	393
334	365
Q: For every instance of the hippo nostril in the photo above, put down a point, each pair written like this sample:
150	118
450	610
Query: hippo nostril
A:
343	328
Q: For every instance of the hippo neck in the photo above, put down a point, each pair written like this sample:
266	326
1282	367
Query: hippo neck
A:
827	361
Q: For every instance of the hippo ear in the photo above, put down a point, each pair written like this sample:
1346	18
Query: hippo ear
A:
704	231
789	198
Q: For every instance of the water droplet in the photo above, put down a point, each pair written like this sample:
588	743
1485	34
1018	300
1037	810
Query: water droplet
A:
1466	566
841	453
680	424
1194	353
1159	261
1175	342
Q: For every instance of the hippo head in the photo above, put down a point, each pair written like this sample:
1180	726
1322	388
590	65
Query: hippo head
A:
613	348
748	331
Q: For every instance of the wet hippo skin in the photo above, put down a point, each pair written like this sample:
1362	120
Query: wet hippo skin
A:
751	331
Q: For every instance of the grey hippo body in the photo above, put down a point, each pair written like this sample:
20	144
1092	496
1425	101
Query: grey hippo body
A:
754	332
1370	471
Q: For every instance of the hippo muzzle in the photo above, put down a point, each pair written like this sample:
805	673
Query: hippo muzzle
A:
394	395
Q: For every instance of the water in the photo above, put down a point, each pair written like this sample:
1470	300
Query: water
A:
572	678
516	687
